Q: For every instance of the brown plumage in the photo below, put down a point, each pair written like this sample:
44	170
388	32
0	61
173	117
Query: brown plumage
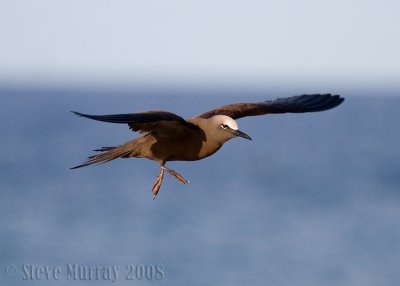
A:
169	137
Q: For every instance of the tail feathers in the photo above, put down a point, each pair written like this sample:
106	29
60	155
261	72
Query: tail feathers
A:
108	154
103	149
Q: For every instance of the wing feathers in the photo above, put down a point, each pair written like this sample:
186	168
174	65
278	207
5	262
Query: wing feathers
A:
142	117
162	121
294	104
149	121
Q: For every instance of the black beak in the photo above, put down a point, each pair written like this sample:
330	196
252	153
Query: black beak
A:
239	133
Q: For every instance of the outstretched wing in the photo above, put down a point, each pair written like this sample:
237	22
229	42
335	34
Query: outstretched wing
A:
294	104
149	121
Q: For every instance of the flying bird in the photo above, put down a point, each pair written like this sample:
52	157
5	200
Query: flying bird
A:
168	137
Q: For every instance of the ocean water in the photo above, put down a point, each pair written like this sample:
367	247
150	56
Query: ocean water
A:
312	200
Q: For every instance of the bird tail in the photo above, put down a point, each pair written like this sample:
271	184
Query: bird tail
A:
107	154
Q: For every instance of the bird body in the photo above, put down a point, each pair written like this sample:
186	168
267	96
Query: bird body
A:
169	137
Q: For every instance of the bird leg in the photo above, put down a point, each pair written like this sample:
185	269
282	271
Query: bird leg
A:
175	174
157	184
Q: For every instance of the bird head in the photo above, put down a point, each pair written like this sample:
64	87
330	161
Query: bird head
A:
226	128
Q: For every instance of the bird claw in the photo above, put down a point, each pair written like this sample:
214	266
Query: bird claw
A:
157	184
176	175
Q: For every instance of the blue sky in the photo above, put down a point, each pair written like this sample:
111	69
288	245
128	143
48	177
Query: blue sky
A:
116	41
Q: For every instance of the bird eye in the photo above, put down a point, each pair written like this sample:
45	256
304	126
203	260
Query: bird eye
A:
224	126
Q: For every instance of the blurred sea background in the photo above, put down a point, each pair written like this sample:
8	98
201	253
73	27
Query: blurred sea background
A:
312	200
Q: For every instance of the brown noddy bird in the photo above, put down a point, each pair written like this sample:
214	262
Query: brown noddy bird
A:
169	137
